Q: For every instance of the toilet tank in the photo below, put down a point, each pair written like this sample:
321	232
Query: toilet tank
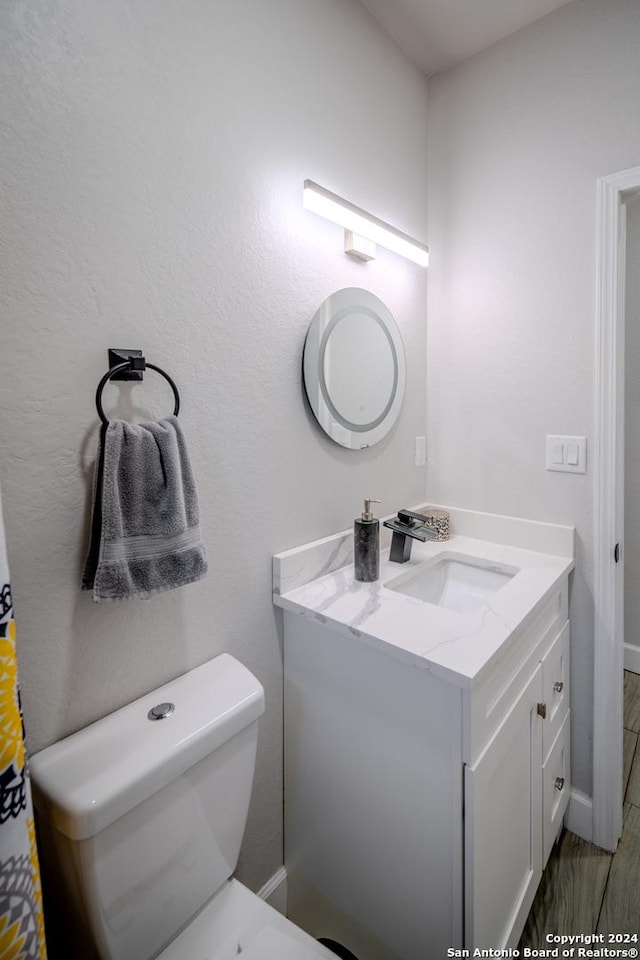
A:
142	820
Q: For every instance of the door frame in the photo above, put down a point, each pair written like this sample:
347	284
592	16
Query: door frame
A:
609	508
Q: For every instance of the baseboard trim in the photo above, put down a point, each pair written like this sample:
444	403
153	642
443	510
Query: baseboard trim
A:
632	658
274	892
579	815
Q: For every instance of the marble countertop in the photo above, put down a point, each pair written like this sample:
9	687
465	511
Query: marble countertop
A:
456	646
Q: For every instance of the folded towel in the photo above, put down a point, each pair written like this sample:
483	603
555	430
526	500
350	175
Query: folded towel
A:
145	530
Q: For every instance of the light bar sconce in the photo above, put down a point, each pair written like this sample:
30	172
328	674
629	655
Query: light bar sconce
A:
362	230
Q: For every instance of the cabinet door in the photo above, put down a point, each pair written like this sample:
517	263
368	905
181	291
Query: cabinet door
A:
503	826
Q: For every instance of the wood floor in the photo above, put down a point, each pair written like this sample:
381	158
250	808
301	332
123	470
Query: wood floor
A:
584	889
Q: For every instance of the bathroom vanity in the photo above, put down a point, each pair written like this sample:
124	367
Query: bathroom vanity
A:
426	735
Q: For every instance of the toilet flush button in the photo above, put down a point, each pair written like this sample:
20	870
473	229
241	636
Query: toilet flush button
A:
161	710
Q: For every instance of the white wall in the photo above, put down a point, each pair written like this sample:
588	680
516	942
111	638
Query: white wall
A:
153	155
518	137
632	439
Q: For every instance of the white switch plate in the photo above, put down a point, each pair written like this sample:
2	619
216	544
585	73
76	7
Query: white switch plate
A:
567	454
420	456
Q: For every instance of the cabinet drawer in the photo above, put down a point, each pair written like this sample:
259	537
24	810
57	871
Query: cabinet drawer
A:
555	688
556	787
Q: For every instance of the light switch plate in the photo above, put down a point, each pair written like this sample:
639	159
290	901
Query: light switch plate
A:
567	454
420	454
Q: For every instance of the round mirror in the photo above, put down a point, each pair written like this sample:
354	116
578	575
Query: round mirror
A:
354	368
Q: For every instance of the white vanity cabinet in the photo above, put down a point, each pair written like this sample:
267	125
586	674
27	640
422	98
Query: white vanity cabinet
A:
516	794
420	811
503	825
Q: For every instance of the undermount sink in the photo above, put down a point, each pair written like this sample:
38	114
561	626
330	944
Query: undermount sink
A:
456	582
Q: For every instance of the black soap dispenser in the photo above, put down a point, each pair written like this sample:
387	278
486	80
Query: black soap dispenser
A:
366	545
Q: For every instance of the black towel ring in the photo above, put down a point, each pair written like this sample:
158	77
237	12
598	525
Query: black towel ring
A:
135	363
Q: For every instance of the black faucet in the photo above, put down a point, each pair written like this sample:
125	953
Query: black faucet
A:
407	527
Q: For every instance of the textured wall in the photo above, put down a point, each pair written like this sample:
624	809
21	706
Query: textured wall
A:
518	137
632	431
153	154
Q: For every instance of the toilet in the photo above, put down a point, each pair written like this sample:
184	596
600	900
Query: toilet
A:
141	816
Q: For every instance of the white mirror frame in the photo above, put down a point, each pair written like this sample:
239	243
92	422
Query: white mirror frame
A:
338	306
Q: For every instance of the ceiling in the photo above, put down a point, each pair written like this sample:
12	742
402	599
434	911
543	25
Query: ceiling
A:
437	34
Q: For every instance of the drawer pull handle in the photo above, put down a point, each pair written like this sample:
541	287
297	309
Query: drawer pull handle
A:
542	710
559	783
558	686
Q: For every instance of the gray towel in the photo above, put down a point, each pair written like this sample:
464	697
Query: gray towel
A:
145	532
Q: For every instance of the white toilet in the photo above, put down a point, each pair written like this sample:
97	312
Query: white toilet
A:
142	820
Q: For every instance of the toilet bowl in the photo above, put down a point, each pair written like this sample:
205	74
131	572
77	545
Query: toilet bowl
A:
141	818
259	932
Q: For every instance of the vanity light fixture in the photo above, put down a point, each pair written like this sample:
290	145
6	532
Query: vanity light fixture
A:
362	230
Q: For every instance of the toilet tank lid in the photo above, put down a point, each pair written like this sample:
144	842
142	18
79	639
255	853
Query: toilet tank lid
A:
87	781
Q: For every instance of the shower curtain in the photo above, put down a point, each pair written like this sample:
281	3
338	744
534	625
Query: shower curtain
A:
21	920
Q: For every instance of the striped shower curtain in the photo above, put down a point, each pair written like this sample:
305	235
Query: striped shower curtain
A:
21	921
